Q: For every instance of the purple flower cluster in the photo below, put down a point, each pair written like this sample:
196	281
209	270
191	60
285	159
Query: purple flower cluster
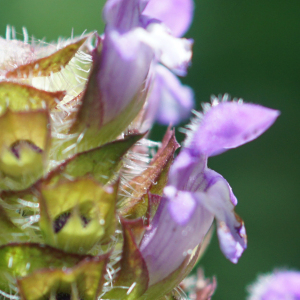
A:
280	285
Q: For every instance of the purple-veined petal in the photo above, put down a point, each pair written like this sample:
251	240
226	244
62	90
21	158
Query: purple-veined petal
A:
123	15
175	14
184	218
231	124
220	201
125	63
280	285
170	102
172	236
181	221
212	191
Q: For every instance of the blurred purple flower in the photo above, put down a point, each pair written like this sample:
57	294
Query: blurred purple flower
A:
169	101
280	285
123	15
127	15
195	194
146	19
177	15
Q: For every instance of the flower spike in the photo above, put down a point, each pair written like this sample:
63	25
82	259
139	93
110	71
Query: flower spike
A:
91	208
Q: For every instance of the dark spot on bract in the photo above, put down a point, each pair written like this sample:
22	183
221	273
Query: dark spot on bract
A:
85	220
63	296
61	221
16	147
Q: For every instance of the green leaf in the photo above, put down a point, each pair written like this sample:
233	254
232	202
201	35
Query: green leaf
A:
24	143
9	231
101	163
83	281
22	209
171	297
133	273
24	199
47	65
152	180
76	215
18	260
21	97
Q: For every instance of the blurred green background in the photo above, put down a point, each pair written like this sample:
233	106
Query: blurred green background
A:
249	49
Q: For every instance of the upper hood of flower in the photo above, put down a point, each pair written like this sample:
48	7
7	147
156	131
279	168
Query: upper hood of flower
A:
177	15
125	15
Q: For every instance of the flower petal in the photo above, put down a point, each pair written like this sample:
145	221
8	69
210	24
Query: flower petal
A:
276	286
229	246
124	68
187	172
181	211
171	236
174	53
172	100
175	14
220	201
231	124
123	15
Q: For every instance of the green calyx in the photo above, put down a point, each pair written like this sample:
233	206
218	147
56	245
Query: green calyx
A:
75	215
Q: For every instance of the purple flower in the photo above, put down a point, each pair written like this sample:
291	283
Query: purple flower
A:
124	64
169	101
196	195
167	89
126	15
280	285
146	19
175	14
123	15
